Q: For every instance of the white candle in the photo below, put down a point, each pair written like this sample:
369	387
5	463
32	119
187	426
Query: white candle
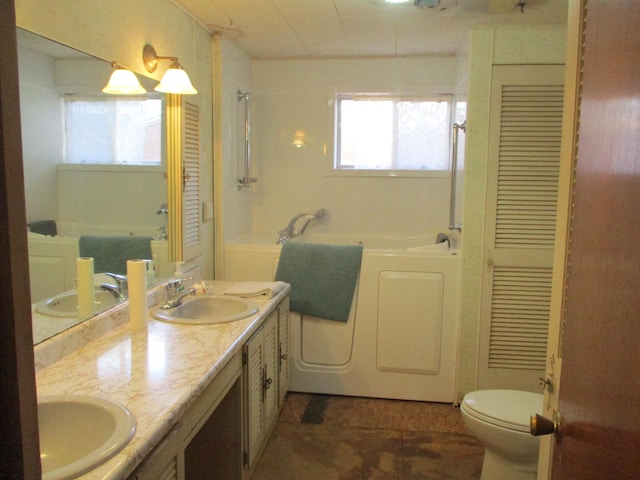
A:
137	279
86	290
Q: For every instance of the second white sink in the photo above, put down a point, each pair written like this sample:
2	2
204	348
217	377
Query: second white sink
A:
207	309
66	304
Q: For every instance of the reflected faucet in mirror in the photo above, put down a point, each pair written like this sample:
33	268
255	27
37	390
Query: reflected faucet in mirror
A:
120	290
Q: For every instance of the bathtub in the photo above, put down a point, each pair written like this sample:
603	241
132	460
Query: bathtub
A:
400	340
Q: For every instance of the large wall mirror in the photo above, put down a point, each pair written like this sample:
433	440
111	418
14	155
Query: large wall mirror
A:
74	185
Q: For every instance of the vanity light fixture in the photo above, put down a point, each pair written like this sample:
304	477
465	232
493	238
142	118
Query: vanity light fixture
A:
123	82
174	80
298	139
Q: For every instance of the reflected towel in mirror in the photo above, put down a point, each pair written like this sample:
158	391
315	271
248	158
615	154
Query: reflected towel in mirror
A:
110	253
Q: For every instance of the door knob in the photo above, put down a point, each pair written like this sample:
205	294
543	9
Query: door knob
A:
540	425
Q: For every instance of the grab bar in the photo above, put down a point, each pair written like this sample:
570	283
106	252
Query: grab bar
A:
454	172
247	179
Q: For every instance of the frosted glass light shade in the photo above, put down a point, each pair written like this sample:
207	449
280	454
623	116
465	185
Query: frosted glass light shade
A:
124	82
176	80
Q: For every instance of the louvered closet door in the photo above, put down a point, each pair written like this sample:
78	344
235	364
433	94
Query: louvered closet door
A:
254	391
191	234
183	177
522	188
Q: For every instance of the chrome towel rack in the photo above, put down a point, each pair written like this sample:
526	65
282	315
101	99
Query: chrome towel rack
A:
454	172
246	180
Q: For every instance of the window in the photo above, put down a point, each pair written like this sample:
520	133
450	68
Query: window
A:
377	132
116	131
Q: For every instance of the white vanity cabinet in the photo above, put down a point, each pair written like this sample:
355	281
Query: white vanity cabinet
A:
207	442
223	432
266	370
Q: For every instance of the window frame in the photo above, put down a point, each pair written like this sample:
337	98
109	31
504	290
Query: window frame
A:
334	109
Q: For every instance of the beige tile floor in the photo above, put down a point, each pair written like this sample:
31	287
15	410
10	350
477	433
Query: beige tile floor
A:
328	437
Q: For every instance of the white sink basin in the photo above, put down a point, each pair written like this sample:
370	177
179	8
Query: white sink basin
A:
77	433
66	304
207	309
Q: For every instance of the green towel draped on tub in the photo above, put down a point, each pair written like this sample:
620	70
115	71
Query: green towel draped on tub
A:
322	277
110	254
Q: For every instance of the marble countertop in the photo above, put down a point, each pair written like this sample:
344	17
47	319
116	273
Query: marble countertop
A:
156	373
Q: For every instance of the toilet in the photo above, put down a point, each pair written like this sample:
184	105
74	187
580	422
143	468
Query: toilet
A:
499	419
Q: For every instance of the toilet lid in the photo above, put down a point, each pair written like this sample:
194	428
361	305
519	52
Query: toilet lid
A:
506	408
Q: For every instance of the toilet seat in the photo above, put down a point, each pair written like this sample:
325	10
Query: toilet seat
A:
509	409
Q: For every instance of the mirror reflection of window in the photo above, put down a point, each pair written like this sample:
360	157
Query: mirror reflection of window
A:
123	131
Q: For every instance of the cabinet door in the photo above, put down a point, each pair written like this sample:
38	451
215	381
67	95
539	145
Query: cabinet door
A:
283	357
165	462
254	363
262	368
270	374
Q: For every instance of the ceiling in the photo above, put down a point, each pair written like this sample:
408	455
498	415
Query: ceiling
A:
278	29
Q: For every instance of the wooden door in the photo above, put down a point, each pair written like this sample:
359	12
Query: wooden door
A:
600	344
19	451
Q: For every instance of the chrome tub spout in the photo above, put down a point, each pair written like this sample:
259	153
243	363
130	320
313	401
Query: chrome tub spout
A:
290	232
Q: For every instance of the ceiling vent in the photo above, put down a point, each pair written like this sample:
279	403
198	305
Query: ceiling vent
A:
492	6
439	4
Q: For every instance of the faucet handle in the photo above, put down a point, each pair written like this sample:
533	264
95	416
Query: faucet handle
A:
176	285
173	286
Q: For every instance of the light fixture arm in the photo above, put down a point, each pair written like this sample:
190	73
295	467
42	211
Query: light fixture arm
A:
150	58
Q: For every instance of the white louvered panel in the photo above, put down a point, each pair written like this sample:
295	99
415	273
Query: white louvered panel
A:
519	317
523	168
529	156
191	194
171	472
256	423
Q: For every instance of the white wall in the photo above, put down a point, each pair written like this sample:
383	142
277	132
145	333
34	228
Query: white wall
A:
237	76
42	134
295	94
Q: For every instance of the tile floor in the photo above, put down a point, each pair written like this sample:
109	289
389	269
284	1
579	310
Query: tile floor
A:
325	437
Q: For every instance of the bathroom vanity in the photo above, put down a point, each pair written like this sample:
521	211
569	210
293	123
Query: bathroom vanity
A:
205	397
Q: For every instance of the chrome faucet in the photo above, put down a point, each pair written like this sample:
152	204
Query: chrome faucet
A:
113	290
289	232
121	288
177	299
